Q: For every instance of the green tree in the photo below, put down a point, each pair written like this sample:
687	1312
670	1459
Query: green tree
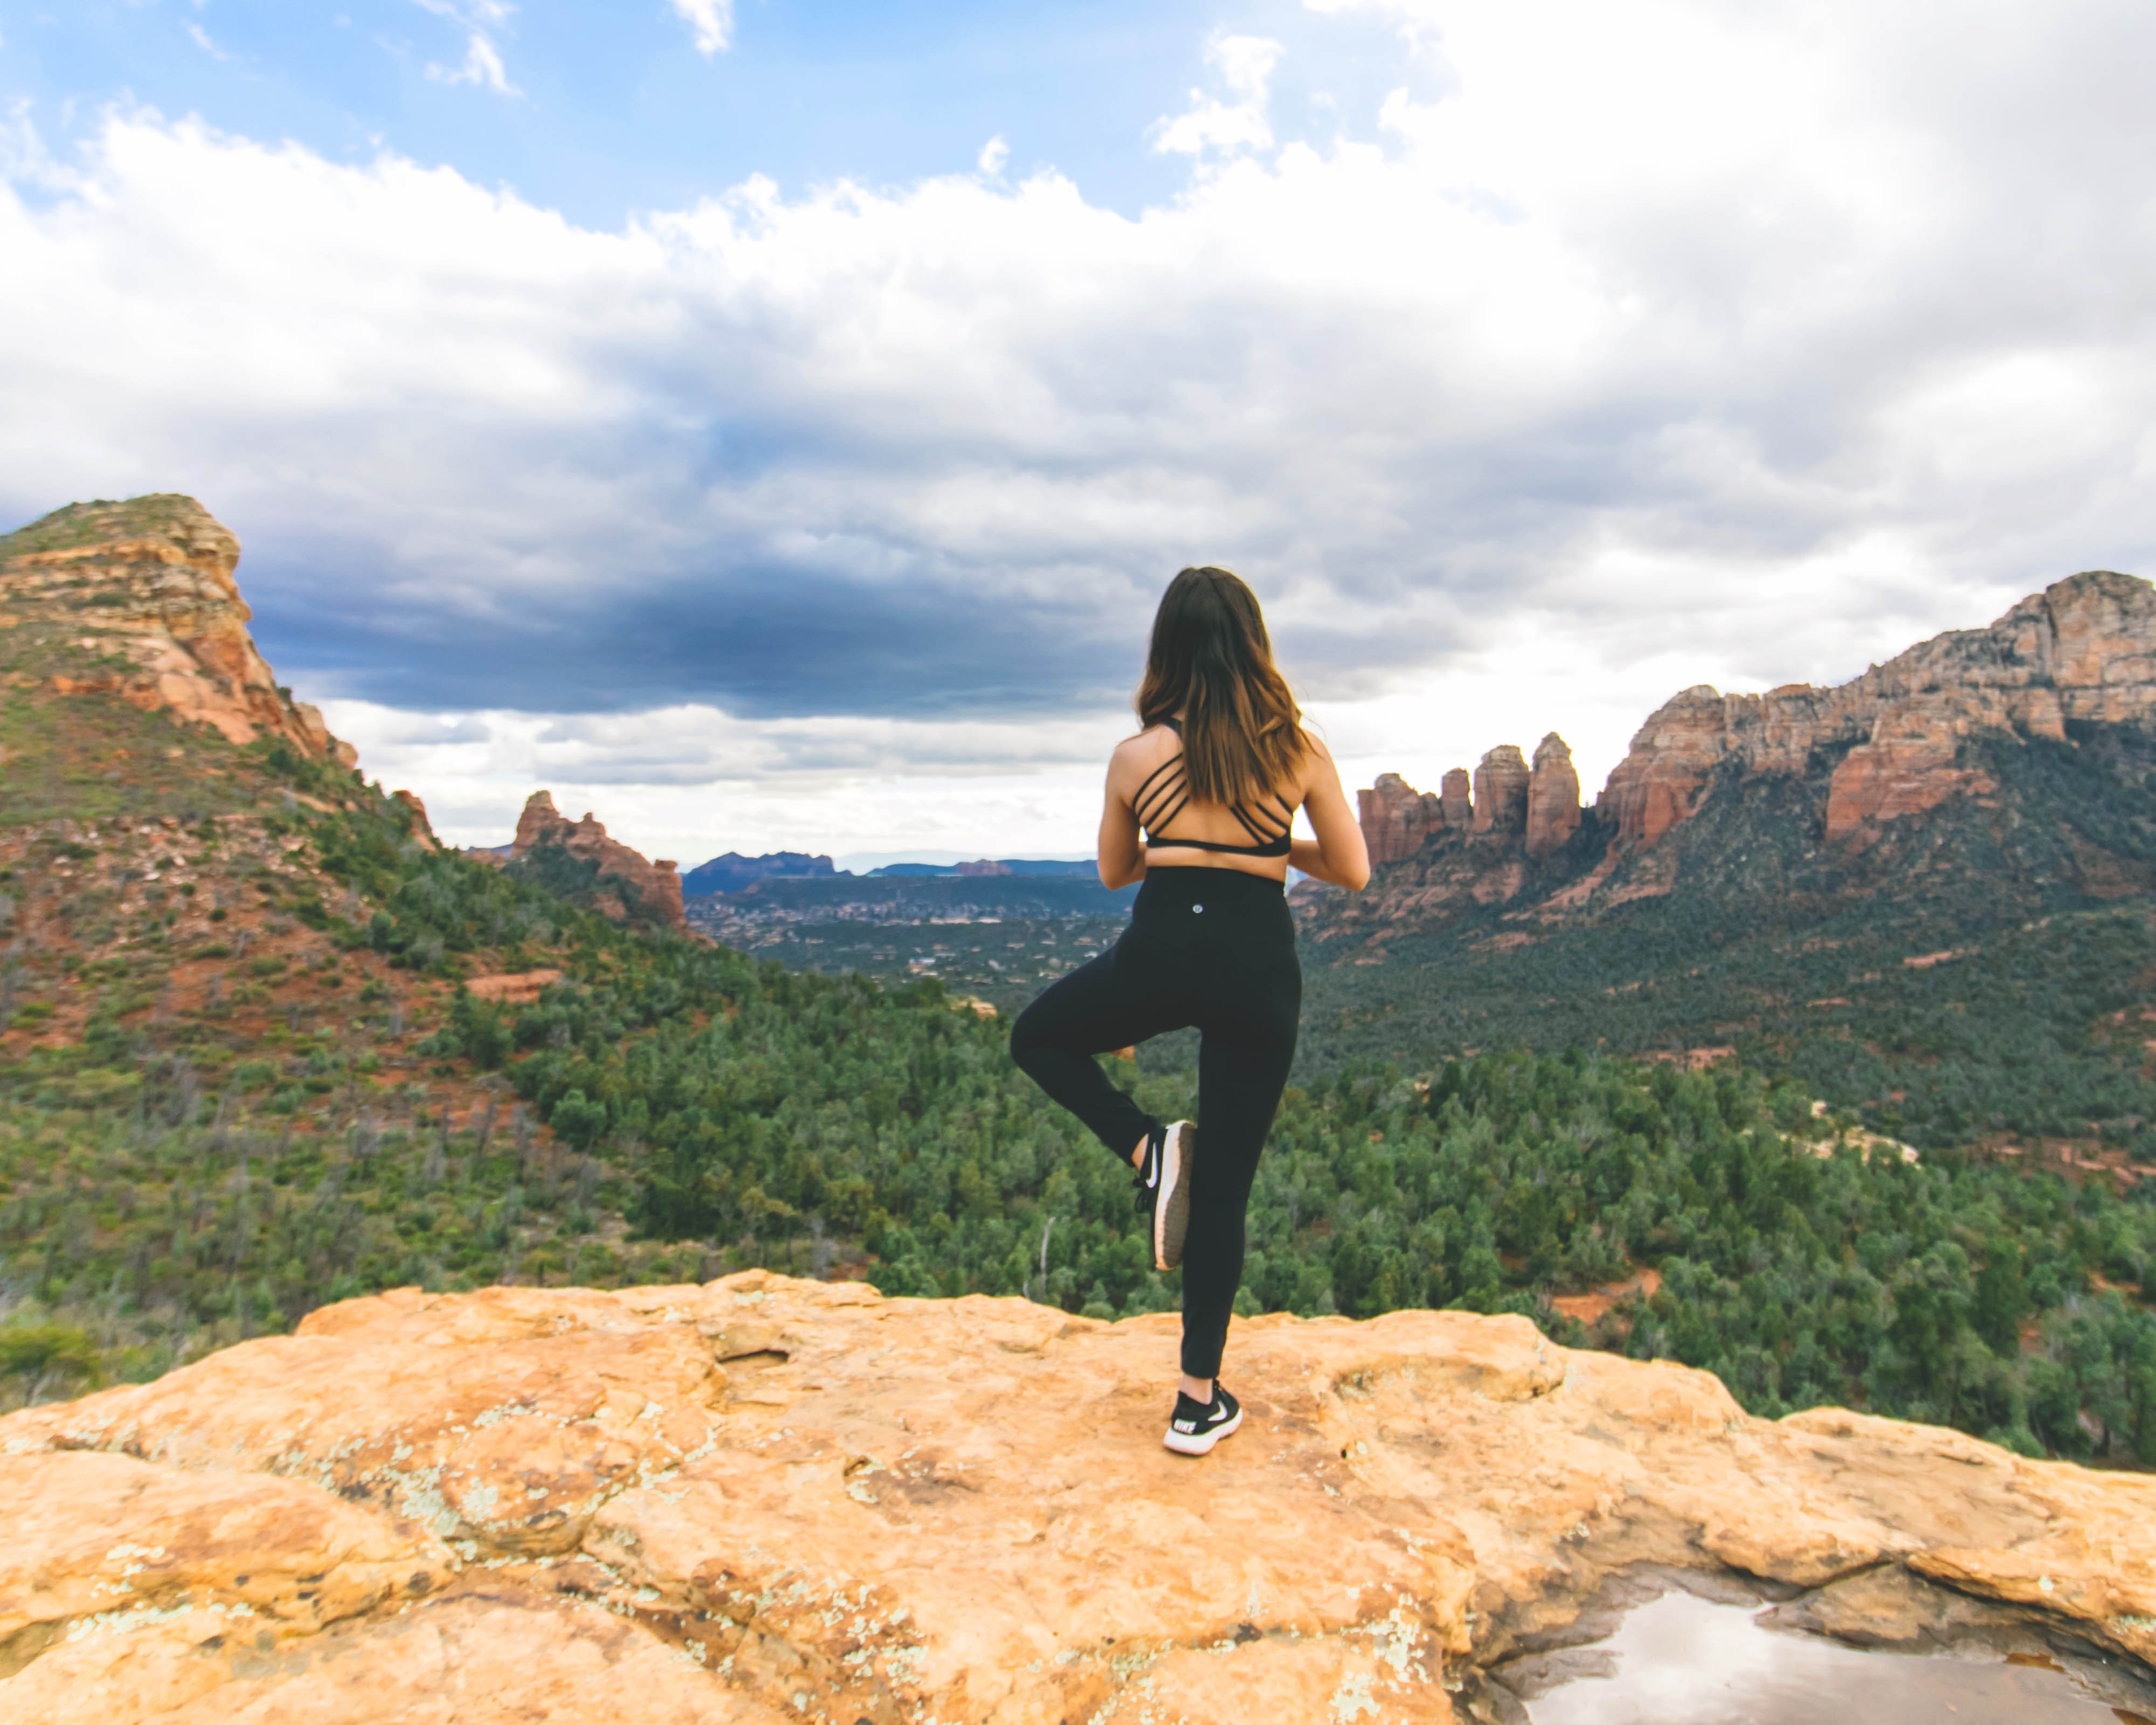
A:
45	1355
577	1120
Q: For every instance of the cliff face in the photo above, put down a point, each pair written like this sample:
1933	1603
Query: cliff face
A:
625	886
1903	739
760	1500
148	583
2083	650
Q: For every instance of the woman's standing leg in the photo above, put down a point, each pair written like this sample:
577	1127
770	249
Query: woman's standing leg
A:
1239	1081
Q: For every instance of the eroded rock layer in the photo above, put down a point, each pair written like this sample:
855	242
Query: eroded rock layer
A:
147	589
1903	738
763	1499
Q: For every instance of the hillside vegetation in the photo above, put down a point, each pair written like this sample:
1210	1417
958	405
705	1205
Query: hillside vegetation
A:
237	1116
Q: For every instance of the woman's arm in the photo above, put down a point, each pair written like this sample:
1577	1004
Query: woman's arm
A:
1338	855
1121	856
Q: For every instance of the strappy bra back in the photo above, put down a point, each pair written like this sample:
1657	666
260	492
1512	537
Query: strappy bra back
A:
1166	794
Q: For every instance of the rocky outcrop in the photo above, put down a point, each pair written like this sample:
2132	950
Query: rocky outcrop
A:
760	1499
1906	767
1396	818
627	886
2083	650
1500	791
1456	800
1461	850
1654	787
1553	798
145	589
423	829
1905	737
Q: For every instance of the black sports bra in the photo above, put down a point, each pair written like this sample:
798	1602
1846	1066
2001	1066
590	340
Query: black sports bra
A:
1166	794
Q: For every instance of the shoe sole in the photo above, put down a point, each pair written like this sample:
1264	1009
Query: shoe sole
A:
1197	1443
1171	1215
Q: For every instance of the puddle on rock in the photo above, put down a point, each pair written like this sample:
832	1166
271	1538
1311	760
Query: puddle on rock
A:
1682	1660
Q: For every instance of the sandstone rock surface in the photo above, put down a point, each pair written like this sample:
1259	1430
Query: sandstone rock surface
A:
1456	796
149	583
2082	649
1500	791
761	1499
628	884
423	829
1396	818
1553	798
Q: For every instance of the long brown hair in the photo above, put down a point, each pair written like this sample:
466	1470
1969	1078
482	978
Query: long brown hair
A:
1242	732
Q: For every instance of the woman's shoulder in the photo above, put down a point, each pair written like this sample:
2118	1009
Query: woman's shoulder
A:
1155	740
1140	754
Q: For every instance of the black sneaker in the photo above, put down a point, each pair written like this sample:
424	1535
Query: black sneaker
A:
1164	1189
1194	1428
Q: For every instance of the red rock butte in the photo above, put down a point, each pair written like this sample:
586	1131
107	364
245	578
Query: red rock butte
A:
760	1500
629	883
151	581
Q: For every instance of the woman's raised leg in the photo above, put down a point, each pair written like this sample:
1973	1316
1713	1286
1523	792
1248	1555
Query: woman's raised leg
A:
1101	1005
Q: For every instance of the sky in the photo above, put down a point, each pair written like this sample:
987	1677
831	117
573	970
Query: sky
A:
769	424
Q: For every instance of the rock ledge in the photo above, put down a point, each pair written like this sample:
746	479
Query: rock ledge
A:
763	1499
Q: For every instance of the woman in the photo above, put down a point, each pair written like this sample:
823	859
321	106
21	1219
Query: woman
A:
1200	806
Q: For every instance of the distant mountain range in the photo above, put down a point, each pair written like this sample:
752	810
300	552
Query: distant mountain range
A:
733	871
985	866
736	873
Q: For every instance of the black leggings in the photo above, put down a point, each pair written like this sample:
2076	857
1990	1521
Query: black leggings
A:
1213	947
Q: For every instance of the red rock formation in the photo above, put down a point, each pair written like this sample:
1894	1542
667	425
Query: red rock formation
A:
655	885
1397	818
1455	800
1500	791
1907	767
2082	649
150	582
423	829
1900	737
1653	787
984	866
1553	798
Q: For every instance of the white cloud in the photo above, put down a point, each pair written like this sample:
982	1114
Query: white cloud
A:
1245	65
1635	348
994	154
483	64
201	38
711	23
